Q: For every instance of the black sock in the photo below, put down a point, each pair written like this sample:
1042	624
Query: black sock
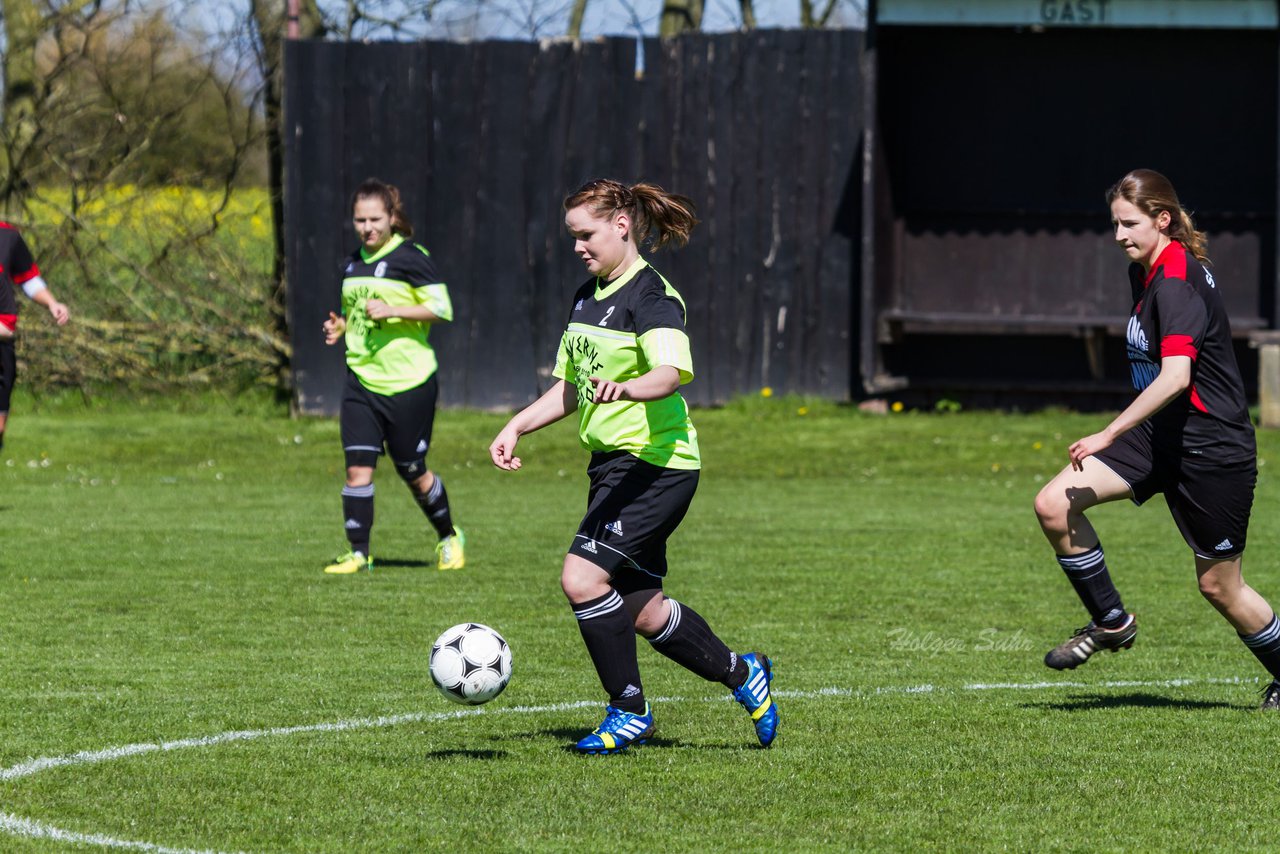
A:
435	504
357	511
1088	575
610	636
688	641
1266	646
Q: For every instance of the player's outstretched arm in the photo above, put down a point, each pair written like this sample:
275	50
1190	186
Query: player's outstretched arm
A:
379	310
43	296
1174	378
653	385
556	403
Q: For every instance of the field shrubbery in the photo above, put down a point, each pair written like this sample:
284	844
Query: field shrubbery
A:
169	288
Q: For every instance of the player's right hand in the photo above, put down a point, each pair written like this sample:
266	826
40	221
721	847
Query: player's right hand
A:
334	328
502	450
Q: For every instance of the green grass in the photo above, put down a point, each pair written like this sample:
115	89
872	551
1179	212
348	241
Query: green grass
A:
161	582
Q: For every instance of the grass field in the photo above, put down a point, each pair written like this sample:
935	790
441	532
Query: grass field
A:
162	587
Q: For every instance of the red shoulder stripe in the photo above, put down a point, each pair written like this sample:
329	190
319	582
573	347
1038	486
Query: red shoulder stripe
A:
19	278
1177	345
1174	261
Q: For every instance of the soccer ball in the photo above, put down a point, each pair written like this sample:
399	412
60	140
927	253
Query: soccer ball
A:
470	663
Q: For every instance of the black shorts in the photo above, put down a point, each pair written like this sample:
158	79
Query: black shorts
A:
1210	502
632	509
402	422
8	373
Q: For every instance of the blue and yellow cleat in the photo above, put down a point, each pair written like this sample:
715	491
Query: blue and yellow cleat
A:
619	731
754	697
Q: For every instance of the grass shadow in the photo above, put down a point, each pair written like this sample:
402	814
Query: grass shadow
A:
571	736
1130	701
393	563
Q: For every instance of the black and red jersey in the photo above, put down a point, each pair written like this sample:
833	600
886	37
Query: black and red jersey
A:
16	267
1178	311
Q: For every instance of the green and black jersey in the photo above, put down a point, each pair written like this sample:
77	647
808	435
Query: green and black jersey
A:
392	355
617	331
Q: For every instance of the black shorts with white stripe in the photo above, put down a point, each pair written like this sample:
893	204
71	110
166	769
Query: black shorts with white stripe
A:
1210	500
632	509
402	422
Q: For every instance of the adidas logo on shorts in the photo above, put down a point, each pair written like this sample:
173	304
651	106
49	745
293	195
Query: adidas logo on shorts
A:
614	527
590	547
1223	546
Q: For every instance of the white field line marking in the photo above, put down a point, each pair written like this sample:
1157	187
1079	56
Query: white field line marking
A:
25	827
30	829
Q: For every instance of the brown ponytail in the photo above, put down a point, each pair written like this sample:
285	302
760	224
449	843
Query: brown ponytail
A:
389	195
656	216
1151	192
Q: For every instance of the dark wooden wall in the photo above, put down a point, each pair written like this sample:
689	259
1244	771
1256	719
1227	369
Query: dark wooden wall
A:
763	130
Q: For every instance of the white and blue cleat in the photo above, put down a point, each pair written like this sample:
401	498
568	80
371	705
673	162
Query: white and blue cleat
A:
754	697
618	731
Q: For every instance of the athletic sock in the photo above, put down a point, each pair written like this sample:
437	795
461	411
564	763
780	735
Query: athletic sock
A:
688	641
1266	646
435	504
1089	576
610	636
357	510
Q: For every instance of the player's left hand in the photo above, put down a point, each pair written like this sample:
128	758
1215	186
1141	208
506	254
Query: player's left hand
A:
377	309
60	313
1087	447
502	450
607	391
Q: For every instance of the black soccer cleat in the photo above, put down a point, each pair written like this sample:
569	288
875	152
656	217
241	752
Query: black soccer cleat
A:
1271	697
1092	638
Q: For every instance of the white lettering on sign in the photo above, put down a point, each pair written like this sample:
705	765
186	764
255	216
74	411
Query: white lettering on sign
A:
1074	11
1197	14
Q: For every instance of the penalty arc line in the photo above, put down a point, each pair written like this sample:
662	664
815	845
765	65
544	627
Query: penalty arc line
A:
32	829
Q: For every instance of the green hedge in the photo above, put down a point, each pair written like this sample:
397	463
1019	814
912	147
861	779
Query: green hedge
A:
169	288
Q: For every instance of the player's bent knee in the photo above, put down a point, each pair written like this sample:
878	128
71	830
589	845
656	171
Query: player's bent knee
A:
1214	591
582	581
411	471
1052	509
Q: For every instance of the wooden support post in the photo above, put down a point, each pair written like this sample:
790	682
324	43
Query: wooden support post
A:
1267	343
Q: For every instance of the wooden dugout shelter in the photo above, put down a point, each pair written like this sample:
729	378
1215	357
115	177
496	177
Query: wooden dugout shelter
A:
994	129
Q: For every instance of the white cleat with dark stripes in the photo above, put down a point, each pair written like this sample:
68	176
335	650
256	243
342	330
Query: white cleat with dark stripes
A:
1092	638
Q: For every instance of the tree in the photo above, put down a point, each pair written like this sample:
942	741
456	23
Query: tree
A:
679	16
809	20
105	103
270	27
26	24
575	18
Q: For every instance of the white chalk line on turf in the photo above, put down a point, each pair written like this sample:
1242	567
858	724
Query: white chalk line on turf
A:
25	827
31	829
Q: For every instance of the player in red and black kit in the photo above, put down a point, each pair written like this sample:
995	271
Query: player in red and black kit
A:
1187	434
18	269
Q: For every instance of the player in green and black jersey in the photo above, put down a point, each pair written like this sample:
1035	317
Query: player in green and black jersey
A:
621	361
1187	434
391	296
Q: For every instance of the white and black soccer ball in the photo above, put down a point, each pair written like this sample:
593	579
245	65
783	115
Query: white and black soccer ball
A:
470	663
